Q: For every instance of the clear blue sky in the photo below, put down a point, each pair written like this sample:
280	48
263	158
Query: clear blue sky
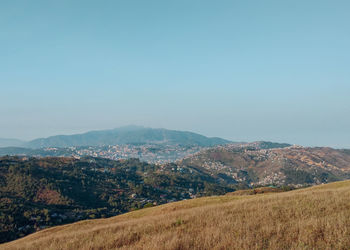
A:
242	70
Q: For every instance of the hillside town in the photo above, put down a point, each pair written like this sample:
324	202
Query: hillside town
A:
151	153
275	166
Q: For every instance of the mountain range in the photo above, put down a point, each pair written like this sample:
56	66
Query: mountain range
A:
119	136
6	142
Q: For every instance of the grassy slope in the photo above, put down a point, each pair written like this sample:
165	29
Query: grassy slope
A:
317	217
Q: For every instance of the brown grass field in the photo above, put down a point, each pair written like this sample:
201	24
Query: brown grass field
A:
311	218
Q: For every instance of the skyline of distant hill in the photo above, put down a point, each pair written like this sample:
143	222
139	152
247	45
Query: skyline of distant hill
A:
10	142
118	136
127	135
131	134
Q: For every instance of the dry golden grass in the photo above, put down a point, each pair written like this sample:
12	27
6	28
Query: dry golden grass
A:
312	218
253	191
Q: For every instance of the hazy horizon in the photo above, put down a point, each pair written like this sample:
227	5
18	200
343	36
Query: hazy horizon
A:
128	125
242	71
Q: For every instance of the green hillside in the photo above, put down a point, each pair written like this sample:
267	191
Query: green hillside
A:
39	193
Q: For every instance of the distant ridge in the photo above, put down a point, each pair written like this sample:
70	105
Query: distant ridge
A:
127	135
6	142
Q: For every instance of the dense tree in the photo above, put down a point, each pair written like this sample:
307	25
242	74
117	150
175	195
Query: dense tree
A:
37	193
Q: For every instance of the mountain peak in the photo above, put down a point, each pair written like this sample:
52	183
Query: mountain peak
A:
130	134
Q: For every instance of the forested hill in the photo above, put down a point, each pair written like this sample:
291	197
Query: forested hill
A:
127	135
37	193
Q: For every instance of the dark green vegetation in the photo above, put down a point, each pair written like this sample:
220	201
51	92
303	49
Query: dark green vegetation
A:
126	135
37	193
